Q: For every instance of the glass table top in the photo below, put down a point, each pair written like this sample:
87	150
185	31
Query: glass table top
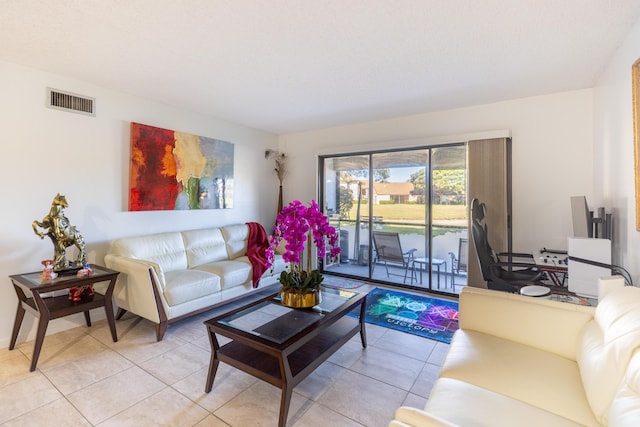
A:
277	323
34	279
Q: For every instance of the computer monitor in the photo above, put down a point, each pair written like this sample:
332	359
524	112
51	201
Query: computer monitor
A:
581	217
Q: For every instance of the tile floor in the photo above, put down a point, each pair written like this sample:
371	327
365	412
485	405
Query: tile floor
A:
84	379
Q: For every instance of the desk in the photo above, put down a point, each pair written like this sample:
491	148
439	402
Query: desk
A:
554	265
48	308
435	262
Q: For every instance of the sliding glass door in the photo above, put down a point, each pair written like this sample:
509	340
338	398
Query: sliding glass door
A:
401	215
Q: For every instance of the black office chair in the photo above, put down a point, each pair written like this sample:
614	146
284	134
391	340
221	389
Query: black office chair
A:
499	270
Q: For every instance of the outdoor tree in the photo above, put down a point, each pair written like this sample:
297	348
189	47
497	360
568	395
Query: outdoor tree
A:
417	179
444	181
379	175
345	203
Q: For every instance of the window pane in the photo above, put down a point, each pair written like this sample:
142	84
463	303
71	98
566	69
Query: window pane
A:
449	212
401	215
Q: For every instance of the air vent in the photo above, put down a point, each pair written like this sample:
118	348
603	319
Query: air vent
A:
70	102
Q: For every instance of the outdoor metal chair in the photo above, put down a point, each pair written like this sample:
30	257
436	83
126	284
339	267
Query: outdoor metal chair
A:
389	252
459	263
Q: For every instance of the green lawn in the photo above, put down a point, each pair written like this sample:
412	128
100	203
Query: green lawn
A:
399	217
411	212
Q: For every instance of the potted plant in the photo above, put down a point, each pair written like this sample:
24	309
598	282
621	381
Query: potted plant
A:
298	224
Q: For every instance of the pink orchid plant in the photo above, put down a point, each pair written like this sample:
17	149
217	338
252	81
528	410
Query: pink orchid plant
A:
297	224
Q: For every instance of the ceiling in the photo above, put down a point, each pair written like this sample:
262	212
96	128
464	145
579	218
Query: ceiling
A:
292	65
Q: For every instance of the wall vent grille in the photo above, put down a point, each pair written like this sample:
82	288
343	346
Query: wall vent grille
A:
70	102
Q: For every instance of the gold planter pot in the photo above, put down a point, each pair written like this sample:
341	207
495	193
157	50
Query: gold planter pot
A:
297	300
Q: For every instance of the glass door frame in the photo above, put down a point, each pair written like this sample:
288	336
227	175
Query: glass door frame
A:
370	224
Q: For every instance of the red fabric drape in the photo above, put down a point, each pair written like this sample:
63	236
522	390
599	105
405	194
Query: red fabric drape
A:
257	245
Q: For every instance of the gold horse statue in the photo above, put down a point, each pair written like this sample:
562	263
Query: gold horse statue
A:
62	234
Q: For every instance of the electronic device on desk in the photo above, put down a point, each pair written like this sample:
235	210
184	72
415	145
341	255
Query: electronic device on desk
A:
585	224
589	249
554	263
553	258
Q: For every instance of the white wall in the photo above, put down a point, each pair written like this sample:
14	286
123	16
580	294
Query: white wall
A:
552	155
614	164
46	151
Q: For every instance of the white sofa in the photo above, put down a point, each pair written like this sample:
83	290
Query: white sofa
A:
168	276
522	361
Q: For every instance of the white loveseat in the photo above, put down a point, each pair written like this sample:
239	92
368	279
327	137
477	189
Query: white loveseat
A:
522	361
168	276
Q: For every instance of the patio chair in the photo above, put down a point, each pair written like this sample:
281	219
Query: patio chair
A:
459	263
390	253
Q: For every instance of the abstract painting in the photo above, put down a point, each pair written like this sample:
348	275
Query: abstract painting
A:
172	170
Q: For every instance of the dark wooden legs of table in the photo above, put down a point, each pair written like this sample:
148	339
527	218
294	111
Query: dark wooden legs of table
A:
213	364
108	309
363	332
56	307
284	367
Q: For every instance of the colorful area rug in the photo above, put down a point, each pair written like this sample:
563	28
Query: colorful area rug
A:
340	282
431	318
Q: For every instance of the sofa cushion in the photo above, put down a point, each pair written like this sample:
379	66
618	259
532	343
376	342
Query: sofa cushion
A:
236	237
542	379
186	285
607	345
625	408
232	273
464	404
204	246
165	249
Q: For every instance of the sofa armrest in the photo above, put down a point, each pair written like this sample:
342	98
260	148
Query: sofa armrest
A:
413	417
548	325
134	290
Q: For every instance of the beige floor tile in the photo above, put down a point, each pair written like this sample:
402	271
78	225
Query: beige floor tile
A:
59	412
137	342
373	332
389	367
348	354
55	353
425	380
86	370
212	421
126	383
320	380
365	400
229	382
6	354
188	329
406	344
124	390
180	362
414	401
166	408
14	368
53	340
24	396
438	354
259	406
203	342
320	416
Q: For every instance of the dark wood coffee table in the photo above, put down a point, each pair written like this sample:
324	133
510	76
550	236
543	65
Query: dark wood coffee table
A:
281	345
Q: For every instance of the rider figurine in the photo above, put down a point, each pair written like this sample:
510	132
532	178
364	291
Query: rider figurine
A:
62	234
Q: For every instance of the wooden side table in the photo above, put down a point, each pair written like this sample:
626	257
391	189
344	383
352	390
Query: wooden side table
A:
48	308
